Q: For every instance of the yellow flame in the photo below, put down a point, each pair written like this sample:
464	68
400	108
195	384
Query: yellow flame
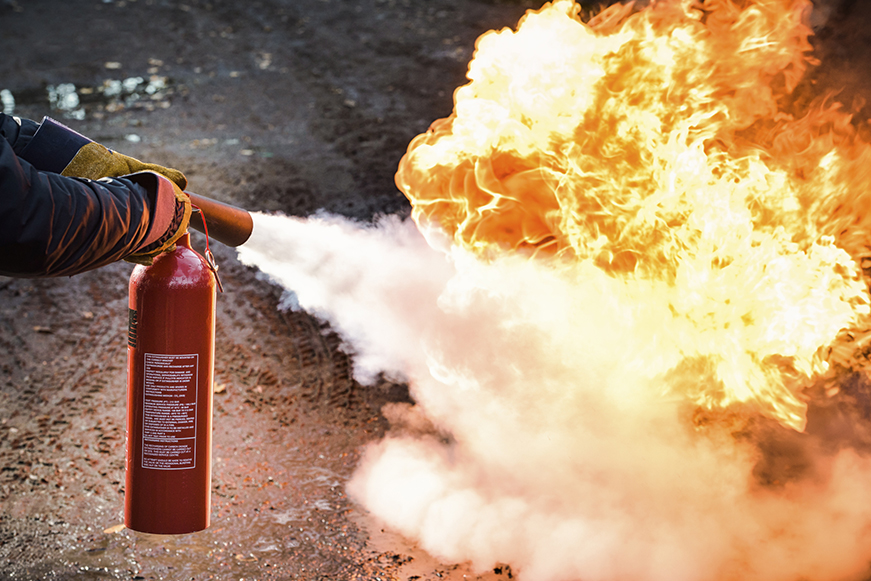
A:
652	145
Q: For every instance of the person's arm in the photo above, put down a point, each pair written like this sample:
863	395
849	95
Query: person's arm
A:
17	131
68	204
52	225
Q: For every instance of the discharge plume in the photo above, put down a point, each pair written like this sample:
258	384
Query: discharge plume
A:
539	438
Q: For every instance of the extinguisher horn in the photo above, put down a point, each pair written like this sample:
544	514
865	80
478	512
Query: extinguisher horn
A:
226	224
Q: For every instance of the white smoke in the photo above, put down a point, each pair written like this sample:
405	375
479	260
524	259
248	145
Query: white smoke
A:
541	436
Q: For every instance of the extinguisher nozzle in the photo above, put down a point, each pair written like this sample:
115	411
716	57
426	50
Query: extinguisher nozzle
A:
226	224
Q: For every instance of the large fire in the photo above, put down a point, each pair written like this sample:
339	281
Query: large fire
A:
658	147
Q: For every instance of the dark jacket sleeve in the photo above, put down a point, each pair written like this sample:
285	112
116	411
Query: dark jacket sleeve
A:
51	225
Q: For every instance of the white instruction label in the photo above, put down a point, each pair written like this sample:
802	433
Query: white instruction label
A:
169	420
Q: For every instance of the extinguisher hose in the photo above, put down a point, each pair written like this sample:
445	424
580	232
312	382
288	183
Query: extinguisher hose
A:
210	258
226	224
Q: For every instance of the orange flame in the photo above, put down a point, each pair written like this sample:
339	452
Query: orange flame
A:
655	145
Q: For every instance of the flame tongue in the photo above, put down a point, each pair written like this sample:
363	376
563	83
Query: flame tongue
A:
624	144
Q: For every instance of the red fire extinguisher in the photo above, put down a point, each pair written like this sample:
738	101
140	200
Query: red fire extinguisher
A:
170	365
170	369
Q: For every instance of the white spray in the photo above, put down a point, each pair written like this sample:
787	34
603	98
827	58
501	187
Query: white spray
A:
545	444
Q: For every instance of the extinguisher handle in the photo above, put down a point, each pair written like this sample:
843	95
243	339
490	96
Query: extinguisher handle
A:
226	224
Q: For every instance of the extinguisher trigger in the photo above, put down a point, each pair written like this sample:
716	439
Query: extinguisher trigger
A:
213	266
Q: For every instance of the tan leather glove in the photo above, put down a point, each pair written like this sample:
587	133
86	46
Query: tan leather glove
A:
95	161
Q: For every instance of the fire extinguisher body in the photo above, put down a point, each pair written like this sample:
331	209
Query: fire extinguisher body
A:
170	368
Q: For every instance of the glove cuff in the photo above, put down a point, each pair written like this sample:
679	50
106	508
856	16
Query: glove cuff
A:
169	221
53	146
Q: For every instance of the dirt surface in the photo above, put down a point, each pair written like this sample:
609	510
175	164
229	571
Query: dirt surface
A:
290	106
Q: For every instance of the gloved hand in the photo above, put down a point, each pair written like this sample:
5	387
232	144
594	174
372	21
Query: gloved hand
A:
177	226
94	161
56	148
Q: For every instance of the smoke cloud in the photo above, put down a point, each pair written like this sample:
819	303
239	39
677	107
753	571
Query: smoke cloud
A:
545	432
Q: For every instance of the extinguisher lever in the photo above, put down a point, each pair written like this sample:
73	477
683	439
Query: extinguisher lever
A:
226	224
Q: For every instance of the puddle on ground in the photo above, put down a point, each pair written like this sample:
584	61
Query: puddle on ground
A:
7	102
68	101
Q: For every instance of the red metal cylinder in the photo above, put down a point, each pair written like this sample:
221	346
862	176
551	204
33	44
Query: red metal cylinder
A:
170	368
